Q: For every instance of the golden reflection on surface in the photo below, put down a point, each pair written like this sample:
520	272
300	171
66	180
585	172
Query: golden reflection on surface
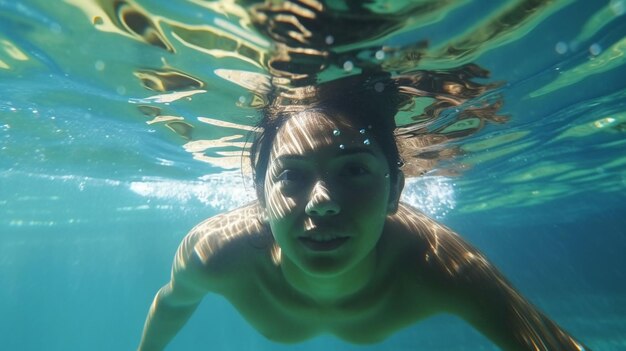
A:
128	18
226	160
171	97
202	145
181	128
254	82
167	80
11	52
310	38
125	17
224	124
228	8
218	43
159	119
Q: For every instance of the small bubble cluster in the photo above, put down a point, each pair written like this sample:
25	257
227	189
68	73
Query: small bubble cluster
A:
561	48
99	65
379	87
595	49
348	66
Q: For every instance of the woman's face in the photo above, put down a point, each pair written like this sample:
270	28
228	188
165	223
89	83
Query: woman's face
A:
327	193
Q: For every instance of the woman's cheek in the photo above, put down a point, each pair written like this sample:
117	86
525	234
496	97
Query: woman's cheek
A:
278	205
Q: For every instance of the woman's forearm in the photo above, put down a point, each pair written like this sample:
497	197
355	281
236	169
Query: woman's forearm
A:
164	321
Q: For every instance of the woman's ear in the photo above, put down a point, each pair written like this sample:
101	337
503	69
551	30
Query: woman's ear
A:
395	190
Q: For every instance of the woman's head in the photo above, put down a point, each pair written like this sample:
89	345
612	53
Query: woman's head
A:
326	171
327	192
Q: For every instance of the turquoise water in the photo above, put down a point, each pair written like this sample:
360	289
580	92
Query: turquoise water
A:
96	191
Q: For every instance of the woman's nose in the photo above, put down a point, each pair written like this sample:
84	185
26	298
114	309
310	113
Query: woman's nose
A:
320	202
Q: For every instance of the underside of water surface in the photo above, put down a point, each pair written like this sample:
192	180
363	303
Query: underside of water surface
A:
124	123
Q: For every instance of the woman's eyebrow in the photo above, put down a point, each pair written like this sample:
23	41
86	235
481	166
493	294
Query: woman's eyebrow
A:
355	150
350	151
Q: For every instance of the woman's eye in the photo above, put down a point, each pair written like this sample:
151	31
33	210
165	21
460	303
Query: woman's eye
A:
356	170
290	175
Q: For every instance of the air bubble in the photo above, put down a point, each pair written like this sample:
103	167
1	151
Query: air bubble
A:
380	55
99	65
242	99
386	175
336	132
366	142
379	87
342	146
561	48
362	131
348	66
329	40
595	49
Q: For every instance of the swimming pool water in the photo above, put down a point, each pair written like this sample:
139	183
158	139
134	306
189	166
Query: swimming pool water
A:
96	191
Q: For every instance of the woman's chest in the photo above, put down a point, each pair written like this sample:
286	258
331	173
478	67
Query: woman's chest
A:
284	316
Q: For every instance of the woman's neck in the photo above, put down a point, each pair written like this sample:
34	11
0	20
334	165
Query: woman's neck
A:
331	289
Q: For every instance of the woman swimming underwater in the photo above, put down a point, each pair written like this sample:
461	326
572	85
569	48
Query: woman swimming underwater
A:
329	248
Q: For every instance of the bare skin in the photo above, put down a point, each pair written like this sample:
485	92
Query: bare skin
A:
329	249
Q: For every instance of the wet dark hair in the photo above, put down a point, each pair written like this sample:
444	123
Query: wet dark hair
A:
367	101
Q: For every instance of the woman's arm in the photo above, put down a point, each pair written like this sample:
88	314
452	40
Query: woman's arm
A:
169	312
468	285
207	260
484	298
175	302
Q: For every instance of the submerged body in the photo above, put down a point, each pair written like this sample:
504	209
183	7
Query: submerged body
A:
245	271
328	248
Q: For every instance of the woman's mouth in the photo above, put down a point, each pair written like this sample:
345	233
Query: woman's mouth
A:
323	242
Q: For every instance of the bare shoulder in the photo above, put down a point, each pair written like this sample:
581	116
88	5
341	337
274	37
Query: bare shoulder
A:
442	251
224	244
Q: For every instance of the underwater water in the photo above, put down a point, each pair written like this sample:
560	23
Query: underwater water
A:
123	123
